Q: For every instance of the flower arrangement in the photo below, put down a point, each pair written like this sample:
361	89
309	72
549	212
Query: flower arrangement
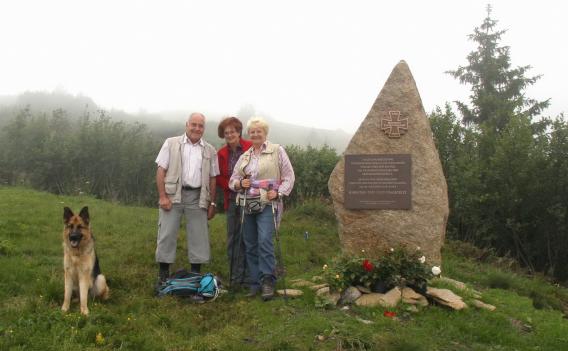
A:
395	267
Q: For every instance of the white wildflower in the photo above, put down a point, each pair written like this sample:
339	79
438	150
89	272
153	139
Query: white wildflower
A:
422	259
436	270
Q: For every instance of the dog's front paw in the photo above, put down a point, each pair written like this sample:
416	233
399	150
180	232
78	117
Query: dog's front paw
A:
85	311
65	307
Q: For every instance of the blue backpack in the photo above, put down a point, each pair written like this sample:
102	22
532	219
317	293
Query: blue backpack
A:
184	283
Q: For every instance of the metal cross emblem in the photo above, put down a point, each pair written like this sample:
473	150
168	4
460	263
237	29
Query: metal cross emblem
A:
393	125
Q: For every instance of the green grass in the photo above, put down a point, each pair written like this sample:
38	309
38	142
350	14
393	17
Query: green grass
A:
31	291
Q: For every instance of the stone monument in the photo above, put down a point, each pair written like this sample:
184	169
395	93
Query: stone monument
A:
389	189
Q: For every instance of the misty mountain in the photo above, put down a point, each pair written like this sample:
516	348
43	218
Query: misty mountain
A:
166	123
6	100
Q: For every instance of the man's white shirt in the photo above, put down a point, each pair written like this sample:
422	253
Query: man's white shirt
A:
192	155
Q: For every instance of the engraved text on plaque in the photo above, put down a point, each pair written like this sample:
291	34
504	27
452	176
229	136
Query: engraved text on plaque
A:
378	182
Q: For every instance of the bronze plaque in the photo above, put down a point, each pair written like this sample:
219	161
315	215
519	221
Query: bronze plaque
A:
378	182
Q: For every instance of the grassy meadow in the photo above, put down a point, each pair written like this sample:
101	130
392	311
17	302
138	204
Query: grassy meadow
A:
529	313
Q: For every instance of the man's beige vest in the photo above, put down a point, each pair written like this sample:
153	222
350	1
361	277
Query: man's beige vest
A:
173	174
268	167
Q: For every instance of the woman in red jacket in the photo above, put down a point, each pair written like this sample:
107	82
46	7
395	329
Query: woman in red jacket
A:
231	130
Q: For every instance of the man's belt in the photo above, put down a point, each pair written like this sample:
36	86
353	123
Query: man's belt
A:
187	187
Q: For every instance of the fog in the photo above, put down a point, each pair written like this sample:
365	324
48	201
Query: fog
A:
312	63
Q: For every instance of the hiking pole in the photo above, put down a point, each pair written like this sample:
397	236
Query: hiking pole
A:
233	243
238	241
279	248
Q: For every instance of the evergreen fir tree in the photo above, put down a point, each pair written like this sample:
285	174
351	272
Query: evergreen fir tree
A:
497	88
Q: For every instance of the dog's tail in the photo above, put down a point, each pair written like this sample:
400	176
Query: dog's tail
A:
101	288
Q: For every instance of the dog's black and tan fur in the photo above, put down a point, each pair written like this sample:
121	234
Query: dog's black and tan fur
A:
82	272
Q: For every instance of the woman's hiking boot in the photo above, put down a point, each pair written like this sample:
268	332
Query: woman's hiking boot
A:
267	288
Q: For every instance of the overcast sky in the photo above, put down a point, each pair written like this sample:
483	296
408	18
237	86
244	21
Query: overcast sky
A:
314	63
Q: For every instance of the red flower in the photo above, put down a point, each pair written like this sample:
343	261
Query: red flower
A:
389	314
367	265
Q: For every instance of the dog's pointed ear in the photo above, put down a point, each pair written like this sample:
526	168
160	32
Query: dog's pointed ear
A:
67	214
84	214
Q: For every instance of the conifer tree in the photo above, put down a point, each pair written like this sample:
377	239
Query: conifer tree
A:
497	89
496	166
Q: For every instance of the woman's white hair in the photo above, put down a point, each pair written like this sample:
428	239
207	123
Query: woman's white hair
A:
258	122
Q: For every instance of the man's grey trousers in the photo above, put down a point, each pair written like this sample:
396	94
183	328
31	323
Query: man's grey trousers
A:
197	231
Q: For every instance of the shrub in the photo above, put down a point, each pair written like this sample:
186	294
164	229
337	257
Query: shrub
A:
499	280
394	267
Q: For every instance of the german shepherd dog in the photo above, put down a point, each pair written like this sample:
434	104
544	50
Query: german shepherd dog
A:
82	271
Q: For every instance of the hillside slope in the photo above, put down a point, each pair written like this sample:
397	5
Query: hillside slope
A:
164	124
31	292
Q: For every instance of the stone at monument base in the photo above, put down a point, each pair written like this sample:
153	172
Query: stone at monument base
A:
447	298
290	292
